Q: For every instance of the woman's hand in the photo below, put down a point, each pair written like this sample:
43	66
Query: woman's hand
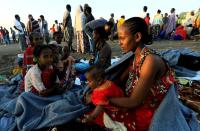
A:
87	98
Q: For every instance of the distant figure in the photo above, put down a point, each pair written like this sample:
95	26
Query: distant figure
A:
157	24
144	13
32	25
68	29
45	32
171	24
40	24
79	28
147	19
113	29
20	27
197	20
6	36
120	21
112	18
56	26
1	35
88	13
165	20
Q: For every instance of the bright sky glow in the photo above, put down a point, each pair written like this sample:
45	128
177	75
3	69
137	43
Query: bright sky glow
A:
54	9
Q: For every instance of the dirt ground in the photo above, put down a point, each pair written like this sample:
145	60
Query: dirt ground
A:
8	54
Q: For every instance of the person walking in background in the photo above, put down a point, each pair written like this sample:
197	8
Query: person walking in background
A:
32	25
6	36
88	13
20	27
79	29
1	35
112	18
197	20
171	24
113	29
68	29
45	32
120	21
56	26
157	25
144	13
40	24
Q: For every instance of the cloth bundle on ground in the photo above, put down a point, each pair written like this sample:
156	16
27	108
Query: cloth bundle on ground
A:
172	115
185	62
31	112
190	95
179	34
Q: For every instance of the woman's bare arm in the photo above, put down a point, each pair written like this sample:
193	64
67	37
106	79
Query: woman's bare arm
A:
149	70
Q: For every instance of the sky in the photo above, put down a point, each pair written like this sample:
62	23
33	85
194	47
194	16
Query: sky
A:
54	9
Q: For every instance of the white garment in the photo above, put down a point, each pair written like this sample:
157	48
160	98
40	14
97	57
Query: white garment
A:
56	27
19	26
143	15
80	20
114	125
33	79
40	24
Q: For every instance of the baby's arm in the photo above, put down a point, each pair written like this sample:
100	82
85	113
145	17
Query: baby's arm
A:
97	111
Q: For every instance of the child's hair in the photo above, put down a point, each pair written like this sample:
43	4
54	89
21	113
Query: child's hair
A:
32	35
38	49
97	74
58	33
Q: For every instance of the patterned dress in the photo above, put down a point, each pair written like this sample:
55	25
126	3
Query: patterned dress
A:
144	113
137	119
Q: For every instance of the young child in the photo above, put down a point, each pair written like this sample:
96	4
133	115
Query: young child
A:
41	78
60	57
101	90
35	39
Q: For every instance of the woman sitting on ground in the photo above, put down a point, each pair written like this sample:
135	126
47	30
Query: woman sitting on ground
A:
102	52
149	76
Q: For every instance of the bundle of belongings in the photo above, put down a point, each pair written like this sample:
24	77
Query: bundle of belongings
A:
187	67
190	96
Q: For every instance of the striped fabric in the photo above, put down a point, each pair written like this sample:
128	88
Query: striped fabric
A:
34	26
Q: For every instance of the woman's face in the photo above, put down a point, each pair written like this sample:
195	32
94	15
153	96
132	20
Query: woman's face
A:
127	41
46	57
96	36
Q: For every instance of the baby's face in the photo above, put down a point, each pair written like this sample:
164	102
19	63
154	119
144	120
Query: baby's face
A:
91	83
